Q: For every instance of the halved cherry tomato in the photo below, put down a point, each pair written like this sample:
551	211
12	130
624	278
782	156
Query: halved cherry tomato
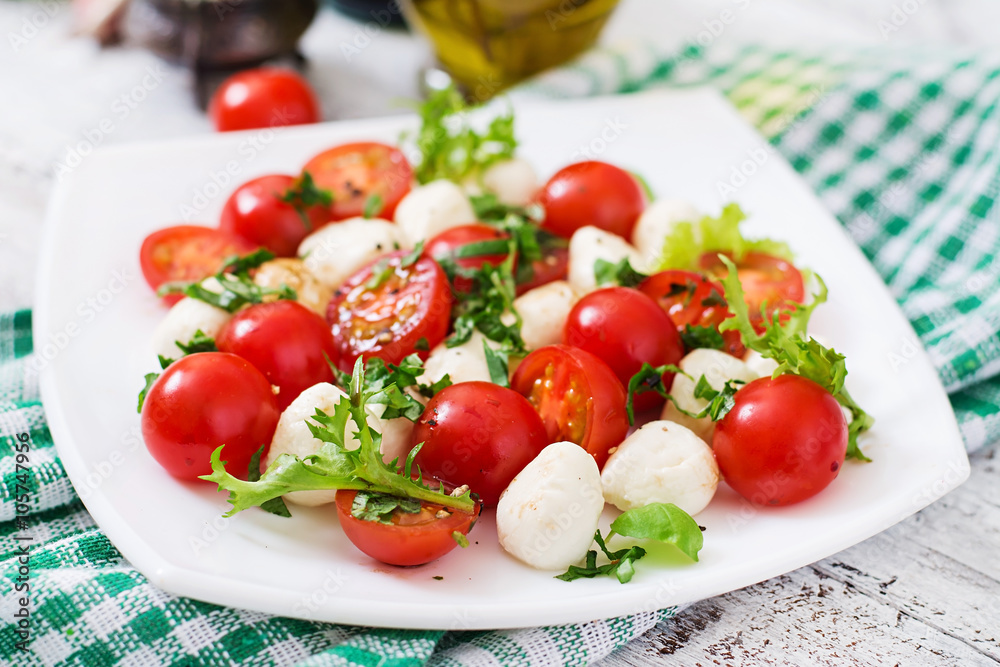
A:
265	97
409	539
480	434
592	193
577	395
384	309
188	253
256	213
203	401
626	329
692	300
765	279
450	243
554	265
286	342
784	440
354	173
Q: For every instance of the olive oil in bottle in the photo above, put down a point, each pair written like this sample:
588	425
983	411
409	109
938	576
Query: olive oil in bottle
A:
489	45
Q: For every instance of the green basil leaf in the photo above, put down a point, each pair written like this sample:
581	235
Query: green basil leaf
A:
663	522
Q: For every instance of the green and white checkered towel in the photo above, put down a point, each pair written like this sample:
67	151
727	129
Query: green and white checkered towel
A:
901	145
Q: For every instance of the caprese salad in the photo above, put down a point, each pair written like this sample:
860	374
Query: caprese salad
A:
415	341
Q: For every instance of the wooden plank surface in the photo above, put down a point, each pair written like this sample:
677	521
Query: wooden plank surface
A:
926	592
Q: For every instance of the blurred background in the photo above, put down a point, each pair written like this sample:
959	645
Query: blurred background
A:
59	87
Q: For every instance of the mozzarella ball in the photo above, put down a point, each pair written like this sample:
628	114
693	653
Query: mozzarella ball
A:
656	222
309	291
462	363
548	514
590	244
758	364
718	368
543	312
185	318
662	462
513	181
292	436
337	251
428	210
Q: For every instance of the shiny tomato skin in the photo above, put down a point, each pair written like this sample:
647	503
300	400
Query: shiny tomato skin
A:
625	328
784	440
404	545
700	304
388	321
256	213
187	253
447	243
592	193
764	278
578	397
264	97
554	265
480	434
202	401
286	342
354	172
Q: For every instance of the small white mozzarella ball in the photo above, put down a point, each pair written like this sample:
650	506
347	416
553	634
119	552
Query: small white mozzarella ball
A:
513	181
337	251
548	514
309	291
662	462
185	318
759	364
543	312
590	244
428	210
656	222
292	435
462	363
718	368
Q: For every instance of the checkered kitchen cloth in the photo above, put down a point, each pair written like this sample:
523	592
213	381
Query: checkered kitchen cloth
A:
903	146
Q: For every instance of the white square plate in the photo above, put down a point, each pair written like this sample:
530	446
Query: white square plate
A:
95	316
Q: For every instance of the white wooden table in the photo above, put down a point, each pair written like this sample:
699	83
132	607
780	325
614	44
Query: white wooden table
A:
925	592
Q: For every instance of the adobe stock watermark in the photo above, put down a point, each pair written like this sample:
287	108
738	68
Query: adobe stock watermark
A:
363	36
86	311
898	17
102	471
332	584
121	109
34	23
611	131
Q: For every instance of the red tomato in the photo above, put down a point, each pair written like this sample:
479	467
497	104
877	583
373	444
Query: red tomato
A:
578	397
256	213
410	539
384	309
203	401
784	440
765	279
553	266
356	172
626	329
188	253
286	342
451	241
480	434
265	97
690	299
592	193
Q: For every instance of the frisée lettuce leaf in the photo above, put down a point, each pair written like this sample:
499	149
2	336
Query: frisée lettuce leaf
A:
335	466
688	241
785	340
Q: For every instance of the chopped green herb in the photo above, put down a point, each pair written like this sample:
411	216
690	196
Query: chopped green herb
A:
484	306
422	344
373	205
496	362
695	337
150	380
410	258
200	342
649	378
379	507
238	288
620	273
304	194
460	539
381	272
